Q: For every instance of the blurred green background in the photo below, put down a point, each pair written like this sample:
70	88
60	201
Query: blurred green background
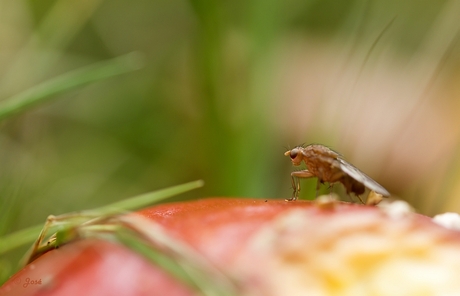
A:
224	87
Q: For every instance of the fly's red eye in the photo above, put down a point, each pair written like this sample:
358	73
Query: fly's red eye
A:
293	154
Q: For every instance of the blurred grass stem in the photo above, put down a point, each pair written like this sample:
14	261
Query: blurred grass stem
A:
46	90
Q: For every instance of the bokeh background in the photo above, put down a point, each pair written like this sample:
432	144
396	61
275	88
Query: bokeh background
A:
225	87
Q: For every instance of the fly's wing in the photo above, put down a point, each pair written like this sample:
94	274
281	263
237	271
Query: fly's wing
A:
361	177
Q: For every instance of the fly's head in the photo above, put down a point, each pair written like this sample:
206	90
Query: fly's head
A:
295	155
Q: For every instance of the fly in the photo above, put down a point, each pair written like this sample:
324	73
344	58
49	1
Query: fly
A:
329	166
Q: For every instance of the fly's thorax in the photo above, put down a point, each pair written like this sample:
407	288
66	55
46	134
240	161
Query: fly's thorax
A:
320	150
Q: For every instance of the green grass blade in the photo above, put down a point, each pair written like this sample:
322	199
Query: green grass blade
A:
28	235
156	257
143	200
19	238
175	256
46	90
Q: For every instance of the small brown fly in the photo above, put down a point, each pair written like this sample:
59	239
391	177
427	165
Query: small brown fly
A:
329	166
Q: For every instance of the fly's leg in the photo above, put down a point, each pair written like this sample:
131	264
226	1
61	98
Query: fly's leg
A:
295	189
296	183
360	199
318	185
331	188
